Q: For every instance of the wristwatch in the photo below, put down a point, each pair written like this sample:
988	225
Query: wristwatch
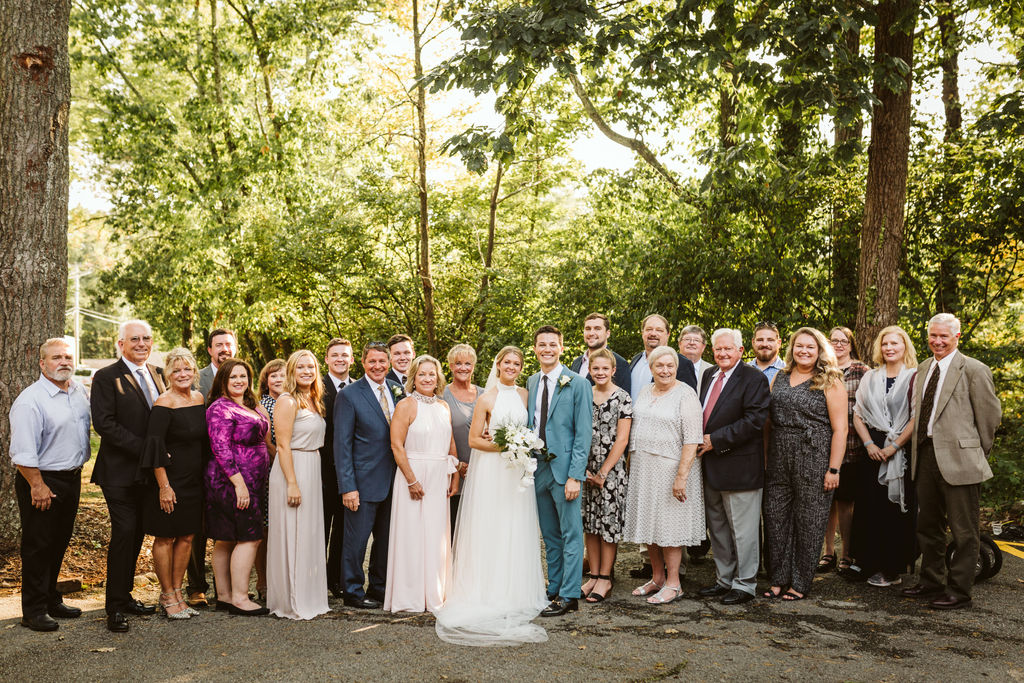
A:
833	470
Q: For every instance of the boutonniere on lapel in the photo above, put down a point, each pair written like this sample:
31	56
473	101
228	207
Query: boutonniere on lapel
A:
563	381
396	391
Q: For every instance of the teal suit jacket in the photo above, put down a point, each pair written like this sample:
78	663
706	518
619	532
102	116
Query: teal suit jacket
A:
570	425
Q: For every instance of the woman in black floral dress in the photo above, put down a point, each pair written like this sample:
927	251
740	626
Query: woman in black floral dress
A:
604	498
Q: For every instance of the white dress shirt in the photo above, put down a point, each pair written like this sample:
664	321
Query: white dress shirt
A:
552	385
153	391
714	378
387	392
943	366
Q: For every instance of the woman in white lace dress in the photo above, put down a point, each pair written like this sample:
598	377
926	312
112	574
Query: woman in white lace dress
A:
665	496
497	586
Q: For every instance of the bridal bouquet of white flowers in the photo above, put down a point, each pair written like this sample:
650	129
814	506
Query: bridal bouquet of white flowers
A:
520	447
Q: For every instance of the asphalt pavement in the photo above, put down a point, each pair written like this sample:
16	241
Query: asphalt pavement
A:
842	632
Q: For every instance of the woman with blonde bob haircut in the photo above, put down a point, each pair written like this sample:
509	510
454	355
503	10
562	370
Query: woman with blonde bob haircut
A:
410	382
807	429
296	571
176	448
885	511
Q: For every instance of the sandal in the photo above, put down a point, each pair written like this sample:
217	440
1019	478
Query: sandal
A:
659	598
647	589
771	595
590	577
791	596
594	596
180	614
826	564
845	563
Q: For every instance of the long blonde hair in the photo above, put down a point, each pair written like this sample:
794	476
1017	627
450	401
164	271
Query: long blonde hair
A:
316	389
826	368
909	353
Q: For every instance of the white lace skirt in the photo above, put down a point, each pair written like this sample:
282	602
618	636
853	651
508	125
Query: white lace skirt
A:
653	515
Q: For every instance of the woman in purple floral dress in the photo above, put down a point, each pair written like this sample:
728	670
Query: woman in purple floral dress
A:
236	477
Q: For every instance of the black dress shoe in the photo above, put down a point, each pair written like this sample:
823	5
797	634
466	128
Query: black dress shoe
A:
336	590
375	595
560	606
62	611
552	596
712	591
137	607
736	597
117	623
222	606
40	622
920	590
239	612
950	602
362	603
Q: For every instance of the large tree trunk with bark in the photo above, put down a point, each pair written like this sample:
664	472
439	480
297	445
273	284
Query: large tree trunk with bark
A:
881	243
35	97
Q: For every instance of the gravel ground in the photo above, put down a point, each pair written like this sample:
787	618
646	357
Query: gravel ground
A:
842	632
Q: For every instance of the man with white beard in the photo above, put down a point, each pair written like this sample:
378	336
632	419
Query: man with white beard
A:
49	445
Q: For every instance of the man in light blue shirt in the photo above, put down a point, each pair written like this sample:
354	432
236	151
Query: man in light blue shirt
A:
49	445
767	342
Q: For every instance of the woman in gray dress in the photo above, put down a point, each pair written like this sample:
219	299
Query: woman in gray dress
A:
807	443
461	396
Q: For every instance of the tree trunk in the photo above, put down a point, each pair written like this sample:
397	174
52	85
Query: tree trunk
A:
947	290
885	194
492	226
845	221
421	183
35	97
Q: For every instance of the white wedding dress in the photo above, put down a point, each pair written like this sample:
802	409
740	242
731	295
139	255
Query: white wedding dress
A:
496	587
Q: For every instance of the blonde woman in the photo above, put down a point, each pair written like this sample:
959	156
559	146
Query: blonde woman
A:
176	448
885	513
296	571
807	443
419	556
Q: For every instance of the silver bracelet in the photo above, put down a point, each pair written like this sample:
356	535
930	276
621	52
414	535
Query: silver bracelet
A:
414	483
869	442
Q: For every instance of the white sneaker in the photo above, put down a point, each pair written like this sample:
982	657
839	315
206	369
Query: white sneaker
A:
880	581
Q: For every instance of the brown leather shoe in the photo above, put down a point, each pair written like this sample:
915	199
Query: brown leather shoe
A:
950	602
197	599
920	590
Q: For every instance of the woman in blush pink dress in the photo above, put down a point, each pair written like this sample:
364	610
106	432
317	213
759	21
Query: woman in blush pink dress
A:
419	557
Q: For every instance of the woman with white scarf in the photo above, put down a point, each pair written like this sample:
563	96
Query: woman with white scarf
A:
885	507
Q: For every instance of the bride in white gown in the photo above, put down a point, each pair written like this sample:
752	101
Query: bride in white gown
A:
496	586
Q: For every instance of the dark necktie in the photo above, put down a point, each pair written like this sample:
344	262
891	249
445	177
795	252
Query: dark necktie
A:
542	431
928	404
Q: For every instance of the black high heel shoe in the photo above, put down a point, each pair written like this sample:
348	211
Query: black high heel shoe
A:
594	596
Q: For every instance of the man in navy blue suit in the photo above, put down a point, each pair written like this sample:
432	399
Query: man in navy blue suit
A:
366	469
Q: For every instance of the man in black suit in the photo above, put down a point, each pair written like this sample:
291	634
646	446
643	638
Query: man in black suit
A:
338	360
402	351
654	332
596	330
735	399
122	396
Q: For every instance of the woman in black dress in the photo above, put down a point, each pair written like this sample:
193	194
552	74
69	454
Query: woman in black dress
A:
173	458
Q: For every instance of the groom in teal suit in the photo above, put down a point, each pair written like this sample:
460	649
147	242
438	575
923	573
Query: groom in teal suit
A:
560	409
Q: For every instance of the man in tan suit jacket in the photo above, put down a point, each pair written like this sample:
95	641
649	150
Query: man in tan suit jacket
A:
956	414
